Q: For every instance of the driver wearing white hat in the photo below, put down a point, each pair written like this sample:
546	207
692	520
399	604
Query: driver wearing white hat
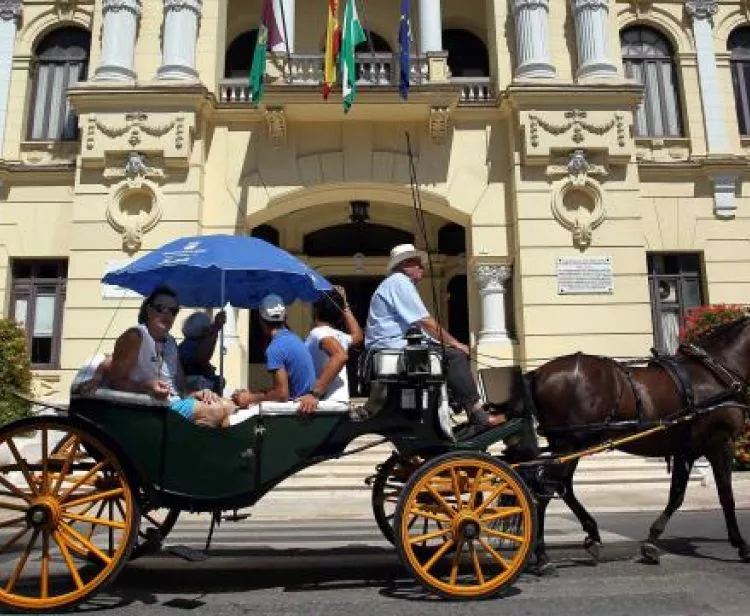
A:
396	306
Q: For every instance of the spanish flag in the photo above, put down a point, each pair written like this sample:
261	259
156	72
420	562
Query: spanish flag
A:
333	40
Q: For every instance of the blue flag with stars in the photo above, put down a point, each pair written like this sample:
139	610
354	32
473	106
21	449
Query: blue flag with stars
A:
404	43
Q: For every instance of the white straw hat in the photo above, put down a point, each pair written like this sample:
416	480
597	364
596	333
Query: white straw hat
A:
404	252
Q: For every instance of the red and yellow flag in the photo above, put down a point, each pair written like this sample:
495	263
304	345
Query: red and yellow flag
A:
333	41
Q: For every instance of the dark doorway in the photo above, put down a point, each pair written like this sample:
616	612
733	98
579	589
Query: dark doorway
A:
458	308
359	291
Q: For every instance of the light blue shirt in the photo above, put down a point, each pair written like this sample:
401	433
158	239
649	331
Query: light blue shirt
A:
395	306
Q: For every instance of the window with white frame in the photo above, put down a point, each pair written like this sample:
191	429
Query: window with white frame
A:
37	302
675	286
647	57
738	46
60	59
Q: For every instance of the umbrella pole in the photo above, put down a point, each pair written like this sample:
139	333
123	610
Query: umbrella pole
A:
221	332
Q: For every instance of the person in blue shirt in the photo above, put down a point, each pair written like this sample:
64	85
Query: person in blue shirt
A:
287	359
396	306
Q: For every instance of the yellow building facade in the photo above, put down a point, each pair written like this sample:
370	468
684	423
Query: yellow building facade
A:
582	165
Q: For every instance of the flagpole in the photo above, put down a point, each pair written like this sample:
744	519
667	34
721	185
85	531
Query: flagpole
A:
364	20
221	331
286	42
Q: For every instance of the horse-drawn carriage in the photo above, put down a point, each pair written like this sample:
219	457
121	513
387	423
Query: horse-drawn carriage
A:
72	517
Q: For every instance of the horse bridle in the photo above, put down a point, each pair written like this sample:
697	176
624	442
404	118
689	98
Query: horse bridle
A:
729	377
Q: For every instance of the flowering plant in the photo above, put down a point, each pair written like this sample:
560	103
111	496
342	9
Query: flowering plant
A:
701	320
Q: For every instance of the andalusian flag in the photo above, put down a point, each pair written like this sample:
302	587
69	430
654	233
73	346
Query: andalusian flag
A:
352	35
268	34
333	42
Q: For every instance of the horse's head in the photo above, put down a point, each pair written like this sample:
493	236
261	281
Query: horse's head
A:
730	342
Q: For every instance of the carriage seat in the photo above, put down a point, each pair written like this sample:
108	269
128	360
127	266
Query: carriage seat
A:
285	408
497	385
391	365
118	396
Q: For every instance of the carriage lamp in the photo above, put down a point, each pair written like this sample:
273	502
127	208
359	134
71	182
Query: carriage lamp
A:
416	354
360	214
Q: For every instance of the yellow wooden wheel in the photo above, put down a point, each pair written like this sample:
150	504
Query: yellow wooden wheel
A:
450	525
68	516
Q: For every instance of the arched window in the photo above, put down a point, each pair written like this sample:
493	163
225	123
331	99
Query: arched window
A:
374	42
346	240
467	54
266	232
648	57
239	55
738	46
60	59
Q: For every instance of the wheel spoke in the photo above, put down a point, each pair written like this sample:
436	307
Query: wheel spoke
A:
451	512
45	470
73	445
22	562
44	574
491	498
498	533
13	506
456	561
416	511
477	564
94	497
492	552
439	554
456	489
81	480
12	521
86	543
94	521
427	536
505	513
14	539
61	543
23	466
14	490
475	486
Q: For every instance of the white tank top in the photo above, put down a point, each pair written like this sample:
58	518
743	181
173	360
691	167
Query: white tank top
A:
157	361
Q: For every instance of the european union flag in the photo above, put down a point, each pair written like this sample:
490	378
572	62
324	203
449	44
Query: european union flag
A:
404	43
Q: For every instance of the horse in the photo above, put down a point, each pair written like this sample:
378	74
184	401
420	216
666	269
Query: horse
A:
582	400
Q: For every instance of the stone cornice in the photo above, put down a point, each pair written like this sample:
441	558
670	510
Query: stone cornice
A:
622	95
19	172
93	97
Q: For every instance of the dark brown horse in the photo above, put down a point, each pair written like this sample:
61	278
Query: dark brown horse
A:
580	400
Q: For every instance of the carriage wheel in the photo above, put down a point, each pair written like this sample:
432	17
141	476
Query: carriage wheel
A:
156	524
68	516
386	488
460	553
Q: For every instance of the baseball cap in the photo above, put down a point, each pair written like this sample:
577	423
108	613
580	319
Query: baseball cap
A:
272	309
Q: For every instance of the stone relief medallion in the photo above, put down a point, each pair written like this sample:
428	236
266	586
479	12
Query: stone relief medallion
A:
577	206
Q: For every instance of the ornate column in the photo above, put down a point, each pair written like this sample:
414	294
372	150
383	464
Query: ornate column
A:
119	27
717	139
492	280
592	38
10	16
181	19
532	38
284	17
430	26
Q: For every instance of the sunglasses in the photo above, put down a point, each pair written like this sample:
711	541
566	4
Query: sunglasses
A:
162	309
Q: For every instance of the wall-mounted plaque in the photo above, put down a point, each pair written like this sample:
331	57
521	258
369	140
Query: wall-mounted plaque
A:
584	275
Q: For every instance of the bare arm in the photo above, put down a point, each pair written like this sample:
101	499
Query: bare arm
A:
124	359
437	331
353	328
279	391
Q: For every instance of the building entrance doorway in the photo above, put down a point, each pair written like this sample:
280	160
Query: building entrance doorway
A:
359	291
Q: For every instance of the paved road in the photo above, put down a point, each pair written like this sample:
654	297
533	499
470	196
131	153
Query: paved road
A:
344	567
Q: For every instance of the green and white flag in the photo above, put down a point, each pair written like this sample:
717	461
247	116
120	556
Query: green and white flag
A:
268	36
352	35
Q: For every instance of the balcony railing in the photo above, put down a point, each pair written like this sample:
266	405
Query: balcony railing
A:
373	70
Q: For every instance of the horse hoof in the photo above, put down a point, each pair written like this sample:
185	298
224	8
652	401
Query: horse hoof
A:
546	570
593	547
650	553
745	554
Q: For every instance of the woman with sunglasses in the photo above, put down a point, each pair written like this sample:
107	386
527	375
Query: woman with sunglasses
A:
146	360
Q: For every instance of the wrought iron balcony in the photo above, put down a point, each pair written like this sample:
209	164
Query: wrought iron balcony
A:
373	70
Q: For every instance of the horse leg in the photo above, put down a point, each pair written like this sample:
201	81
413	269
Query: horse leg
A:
543	565
593	542
682	465
721	464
